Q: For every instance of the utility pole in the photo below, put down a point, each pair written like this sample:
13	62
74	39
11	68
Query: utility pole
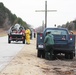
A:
45	13
43	27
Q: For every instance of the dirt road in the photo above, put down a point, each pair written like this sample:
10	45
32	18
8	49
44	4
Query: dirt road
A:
27	63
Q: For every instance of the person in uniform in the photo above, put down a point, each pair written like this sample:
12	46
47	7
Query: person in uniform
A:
49	43
27	35
71	32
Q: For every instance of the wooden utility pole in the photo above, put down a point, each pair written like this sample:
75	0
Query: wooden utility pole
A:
46	13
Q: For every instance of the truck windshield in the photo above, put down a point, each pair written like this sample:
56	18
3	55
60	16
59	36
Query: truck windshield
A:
58	32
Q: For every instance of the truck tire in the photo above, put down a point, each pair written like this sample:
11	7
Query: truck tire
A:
23	41
71	55
67	56
39	53
74	54
9	40
43	54
47	56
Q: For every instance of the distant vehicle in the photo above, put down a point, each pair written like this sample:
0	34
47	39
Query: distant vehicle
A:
16	33
64	42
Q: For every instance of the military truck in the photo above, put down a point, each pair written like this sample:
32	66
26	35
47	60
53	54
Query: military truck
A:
16	33
64	42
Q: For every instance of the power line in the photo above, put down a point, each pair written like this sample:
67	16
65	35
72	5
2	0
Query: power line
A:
45	13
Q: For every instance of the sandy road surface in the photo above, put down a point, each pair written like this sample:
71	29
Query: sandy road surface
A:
27	63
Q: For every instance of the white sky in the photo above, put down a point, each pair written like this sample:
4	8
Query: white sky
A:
25	9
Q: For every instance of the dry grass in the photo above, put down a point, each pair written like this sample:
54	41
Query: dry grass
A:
2	33
74	32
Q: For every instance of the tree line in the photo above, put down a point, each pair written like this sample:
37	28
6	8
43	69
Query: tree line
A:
8	19
69	25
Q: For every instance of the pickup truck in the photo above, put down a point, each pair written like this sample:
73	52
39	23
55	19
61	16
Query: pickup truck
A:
16	33
64	42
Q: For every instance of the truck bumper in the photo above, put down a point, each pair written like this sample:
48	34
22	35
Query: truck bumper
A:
16	37
64	49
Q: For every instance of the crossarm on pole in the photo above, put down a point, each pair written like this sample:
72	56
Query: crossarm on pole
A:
47	11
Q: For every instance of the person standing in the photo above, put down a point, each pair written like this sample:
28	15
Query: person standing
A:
27	35
71	32
49	43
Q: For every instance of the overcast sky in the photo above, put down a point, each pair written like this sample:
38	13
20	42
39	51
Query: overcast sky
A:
25	9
